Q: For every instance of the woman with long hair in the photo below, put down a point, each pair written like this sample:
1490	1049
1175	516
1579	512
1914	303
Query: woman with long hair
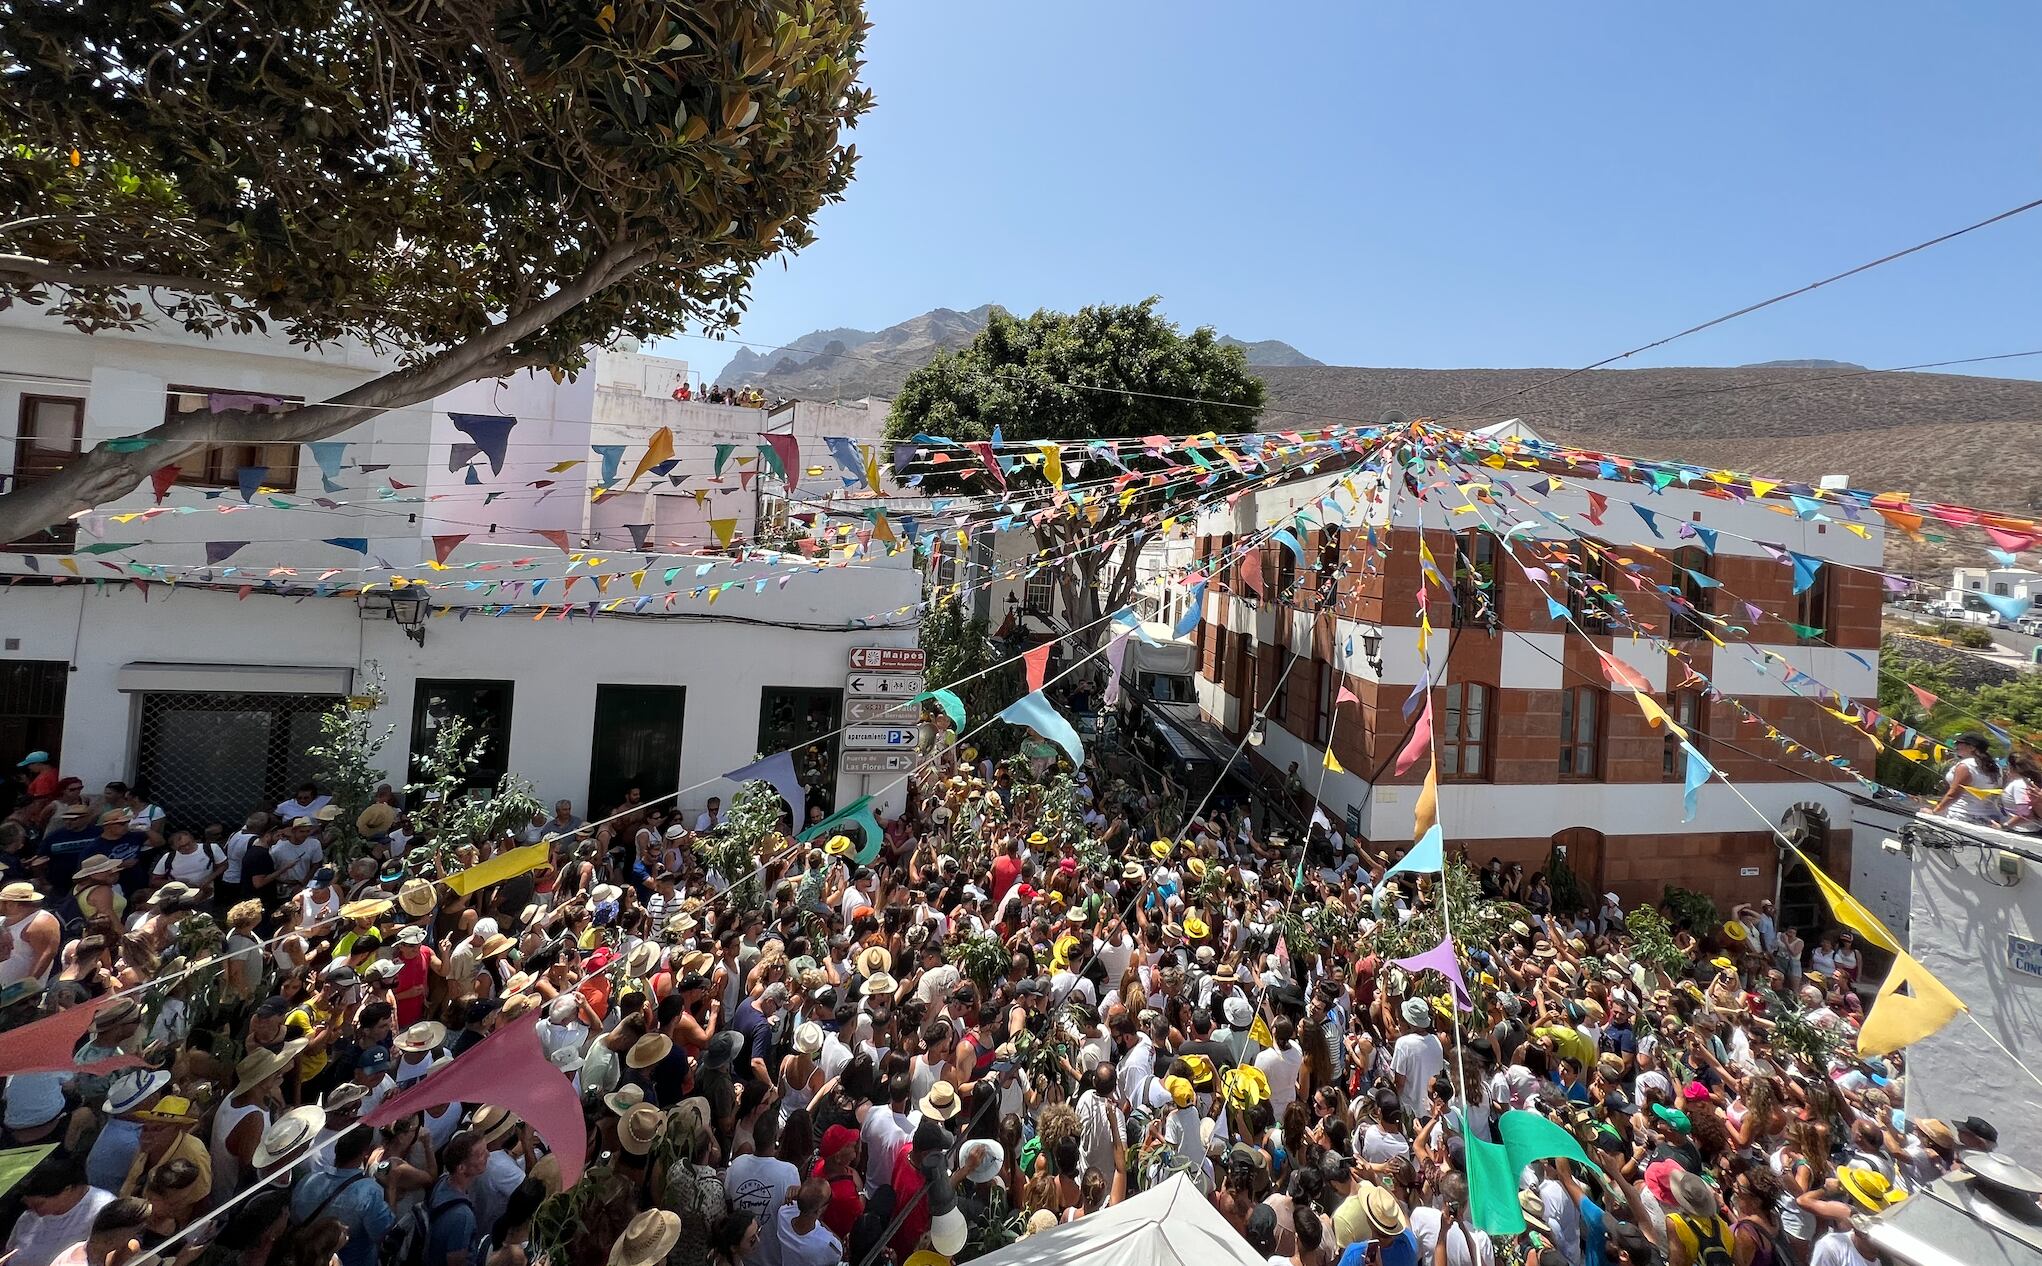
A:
1974	771
2020	801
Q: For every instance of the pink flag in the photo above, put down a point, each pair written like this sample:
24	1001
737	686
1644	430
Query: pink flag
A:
509	1070
1420	743
1345	696
788	449
1927	700
1036	663
45	1045
1440	958
2012	542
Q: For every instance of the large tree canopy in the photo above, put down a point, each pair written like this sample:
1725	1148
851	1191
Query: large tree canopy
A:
481	186
1111	371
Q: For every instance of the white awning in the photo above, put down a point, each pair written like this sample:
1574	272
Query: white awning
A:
258	679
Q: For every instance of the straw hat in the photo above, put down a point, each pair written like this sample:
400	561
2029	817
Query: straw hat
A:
1385	1216
642	960
259	1066
697	962
288	1134
649	1238
808	1037
941	1103
131	1090
1132	872
426	1035
1160	850
495	945
648	1050
547	1174
1868	1188
640	1129
838	845
492	1123
1694	1195
97	864
879	985
874	960
624	1098
1735	931
1197	867
417	897
1534	1212
367	908
1195	928
21	890
1244	1086
169	1110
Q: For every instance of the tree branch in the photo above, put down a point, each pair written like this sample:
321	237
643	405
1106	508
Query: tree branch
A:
103	475
42	272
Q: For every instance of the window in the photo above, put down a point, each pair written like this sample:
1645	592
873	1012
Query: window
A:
48	434
212	756
1587	594
1689	710
1286	574
1328	569
1329	699
1477	581
1581	732
1694	600
790	718
1279	687
1999	587
1246	662
32	704
1219	654
220	465
1815	611
1464	736
1038	597
486	708
636	742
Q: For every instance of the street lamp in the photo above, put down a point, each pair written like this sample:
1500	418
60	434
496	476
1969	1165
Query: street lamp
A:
1372	649
409	611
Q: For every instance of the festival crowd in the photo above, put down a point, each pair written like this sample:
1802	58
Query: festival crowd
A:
1033	998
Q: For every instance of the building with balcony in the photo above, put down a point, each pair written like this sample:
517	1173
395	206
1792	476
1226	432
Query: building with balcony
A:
1535	747
566	620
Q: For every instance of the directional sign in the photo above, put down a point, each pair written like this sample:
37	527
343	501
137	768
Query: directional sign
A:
892	659
885	685
882	711
876	762
879	736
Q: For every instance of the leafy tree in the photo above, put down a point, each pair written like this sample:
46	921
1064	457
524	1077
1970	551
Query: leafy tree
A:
451	811
347	754
476	186
1112	371
957	648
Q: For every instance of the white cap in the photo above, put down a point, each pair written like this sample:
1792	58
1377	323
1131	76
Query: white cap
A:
484	929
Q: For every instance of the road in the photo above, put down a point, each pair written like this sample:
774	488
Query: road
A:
2009	643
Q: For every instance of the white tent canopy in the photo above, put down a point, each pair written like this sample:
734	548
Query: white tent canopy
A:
1168	1225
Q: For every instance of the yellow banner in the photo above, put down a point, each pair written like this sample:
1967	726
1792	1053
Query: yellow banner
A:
498	868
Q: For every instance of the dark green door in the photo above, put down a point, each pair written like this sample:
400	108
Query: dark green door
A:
637	743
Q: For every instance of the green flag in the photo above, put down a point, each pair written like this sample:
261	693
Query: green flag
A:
953	707
16	1162
1493	1167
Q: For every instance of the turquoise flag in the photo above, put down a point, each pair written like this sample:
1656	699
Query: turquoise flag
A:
1428	854
953	707
1698	772
1035	712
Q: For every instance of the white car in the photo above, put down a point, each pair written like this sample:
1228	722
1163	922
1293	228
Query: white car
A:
2030	624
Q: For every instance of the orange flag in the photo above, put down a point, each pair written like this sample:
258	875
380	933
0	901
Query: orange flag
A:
660	448
1426	815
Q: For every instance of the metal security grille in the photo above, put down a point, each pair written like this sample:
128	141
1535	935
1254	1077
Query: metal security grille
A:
208	757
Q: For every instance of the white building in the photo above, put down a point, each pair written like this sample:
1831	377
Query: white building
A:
593	661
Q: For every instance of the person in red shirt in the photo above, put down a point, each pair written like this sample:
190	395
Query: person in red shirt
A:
42	776
839	1167
931	1140
1006	869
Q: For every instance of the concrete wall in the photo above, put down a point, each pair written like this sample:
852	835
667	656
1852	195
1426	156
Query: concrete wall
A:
1961	922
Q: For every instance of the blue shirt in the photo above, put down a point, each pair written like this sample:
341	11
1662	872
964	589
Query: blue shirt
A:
360	1208
1400	1250
106	1165
1593	1246
453	1223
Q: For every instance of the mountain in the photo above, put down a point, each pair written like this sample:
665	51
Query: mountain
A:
847	364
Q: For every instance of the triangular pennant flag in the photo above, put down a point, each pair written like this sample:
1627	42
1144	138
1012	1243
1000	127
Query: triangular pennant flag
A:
1899	1019
1420	742
613	457
1426	856
778	772
786	452
328	455
1034	711
557	537
1425	815
249	479
1847	910
1698	772
725	530
660	448
162	479
219	551
1441	958
1655	716
1036	664
640	534
1926	699
1332	763
445	545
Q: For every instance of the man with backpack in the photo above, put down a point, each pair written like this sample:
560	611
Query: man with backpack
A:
445	1228
1697	1235
346	1192
192	862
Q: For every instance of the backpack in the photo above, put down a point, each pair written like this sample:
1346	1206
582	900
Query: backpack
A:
1780	1246
411	1239
1711	1240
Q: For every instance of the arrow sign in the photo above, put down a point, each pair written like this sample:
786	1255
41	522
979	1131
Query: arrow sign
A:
856	761
881	736
885	685
882	711
904	659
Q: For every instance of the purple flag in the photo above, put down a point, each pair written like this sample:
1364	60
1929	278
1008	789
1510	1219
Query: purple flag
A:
777	769
1116	655
1440	958
489	431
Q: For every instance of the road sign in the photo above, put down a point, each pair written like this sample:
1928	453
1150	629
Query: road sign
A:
879	736
882	711
885	685
876	762
892	659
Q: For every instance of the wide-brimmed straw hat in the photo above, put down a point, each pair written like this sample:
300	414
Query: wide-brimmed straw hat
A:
289	1134
426	1035
649	1238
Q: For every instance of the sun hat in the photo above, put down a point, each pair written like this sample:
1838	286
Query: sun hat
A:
1936	1132
426	1035
648	1050
1722	963
259	1066
344	1098
838	845
1195	927
648	1239
132	1089
97	864
365	908
722	1049
640	1128
676	832
1244	1086
985	1157
417	897
941	1103
836	1139
1132	871
1694	1195
1160	850
1385	1216
1037	838
21	890
170	892
116	1013
874	960
1534	1212
689	1118
1736	931
879	984
807	1037
169	1110
1416	1013
1869	1189
288	1134
410	934
1182	1092
624	1098
492	1122
642	960
567	1059
605	894
1238	1011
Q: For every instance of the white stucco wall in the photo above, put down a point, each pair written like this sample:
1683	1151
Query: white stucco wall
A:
1961	920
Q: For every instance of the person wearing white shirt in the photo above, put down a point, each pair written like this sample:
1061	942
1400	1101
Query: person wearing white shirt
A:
307	802
1844	1248
803	1239
1099	1123
1281	1064
1416	1058
1465	1246
759	1183
711	817
886	1129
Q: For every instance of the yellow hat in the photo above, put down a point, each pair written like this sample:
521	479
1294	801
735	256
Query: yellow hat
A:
1037	838
1245	1086
926	1257
1182	1093
1720	963
1200	1068
1868	1188
838	845
1197	867
1735	931
1195	928
1161	850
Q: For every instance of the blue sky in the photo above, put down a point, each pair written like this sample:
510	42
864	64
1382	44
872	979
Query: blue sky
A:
1440	185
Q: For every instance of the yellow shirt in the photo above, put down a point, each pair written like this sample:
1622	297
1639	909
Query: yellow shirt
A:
300	1023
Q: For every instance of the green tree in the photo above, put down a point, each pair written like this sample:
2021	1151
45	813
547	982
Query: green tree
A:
1111	371
479	186
347	754
958	648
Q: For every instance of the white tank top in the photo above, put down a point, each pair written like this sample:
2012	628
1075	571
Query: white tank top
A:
227	1166
15	967
1967	806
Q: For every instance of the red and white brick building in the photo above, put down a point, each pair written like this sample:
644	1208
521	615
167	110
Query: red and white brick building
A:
1534	747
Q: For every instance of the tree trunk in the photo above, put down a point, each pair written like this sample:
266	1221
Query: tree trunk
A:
103	475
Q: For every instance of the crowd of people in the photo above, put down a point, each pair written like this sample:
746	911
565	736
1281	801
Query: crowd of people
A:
1033	998
745	397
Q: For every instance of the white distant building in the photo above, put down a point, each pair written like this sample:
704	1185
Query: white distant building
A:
211	694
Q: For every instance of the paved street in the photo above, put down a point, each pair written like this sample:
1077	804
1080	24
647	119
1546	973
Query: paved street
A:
2013	648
